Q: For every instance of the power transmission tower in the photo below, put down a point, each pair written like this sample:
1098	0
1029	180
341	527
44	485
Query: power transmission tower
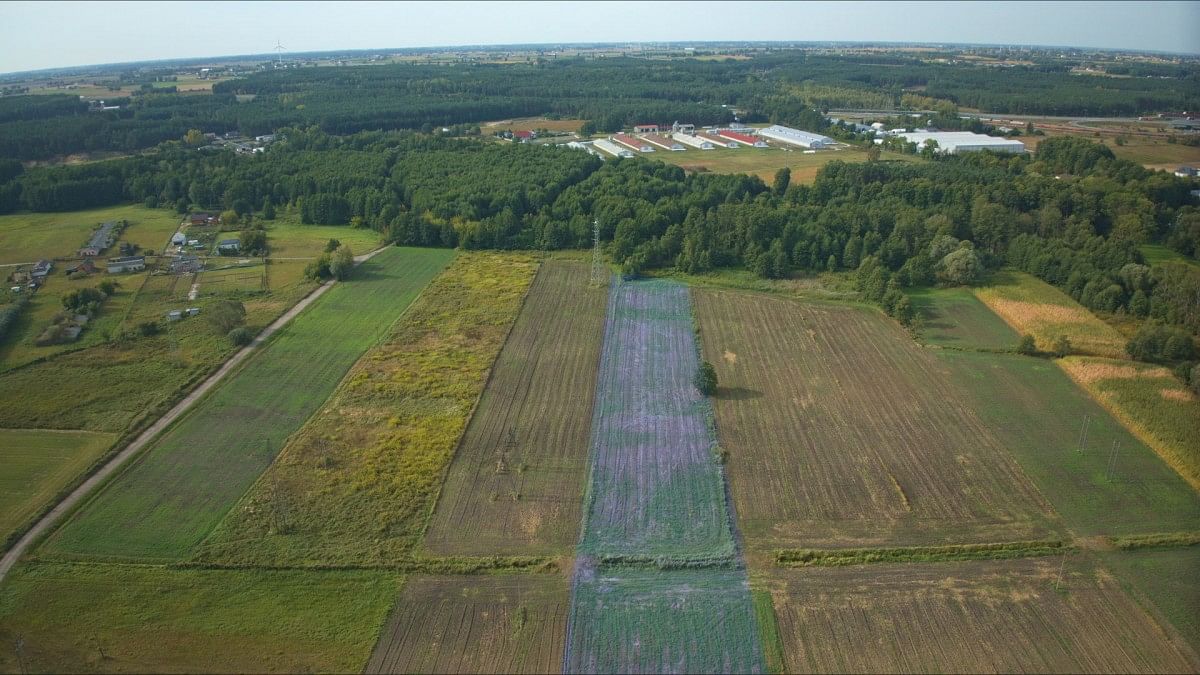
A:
598	272
279	51
1083	433
1112	460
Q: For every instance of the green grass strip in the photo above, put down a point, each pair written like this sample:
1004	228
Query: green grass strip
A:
861	556
1158	540
768	631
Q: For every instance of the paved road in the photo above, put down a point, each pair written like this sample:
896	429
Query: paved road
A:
79	493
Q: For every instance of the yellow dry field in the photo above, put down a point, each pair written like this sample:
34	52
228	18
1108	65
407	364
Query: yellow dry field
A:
1151	403
976	617
1033	307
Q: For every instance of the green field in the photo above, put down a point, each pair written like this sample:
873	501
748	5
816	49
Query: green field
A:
1038	414
1152	403
356	484
124	618
954	317
1165	579
28	237
37	464
288	238
179	489
1158	254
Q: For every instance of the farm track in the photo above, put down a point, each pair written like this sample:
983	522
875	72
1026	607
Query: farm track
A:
842	432
516	481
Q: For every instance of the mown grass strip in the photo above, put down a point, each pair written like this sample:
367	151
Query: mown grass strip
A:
172	497
803	557
768	631
1157	540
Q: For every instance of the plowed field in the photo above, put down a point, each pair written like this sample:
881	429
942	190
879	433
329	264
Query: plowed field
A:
841	431
517	479
486	624
969	617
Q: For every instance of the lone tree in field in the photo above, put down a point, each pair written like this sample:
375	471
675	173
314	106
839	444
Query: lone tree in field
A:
1062	346
1027	345
706	379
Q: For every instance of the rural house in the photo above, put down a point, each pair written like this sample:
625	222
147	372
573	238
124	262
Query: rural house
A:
228	246
203	218
101	239
133	263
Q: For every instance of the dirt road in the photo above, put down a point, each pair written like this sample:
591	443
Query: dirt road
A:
78	494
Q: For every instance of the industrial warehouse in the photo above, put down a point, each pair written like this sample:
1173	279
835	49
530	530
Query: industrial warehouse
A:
955	142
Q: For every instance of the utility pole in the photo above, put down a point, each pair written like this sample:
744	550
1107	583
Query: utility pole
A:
598	275
1083	433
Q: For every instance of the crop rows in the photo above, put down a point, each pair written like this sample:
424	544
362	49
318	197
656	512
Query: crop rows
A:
655	485
475	624
516	482
181	487
842	432
1003	616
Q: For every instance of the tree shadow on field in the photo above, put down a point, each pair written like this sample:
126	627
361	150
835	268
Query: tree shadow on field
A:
737	394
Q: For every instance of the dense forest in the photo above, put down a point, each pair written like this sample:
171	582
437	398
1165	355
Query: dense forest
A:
1072	215
611	92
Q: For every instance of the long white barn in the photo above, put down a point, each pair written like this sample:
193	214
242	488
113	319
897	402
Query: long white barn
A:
955	142
694	141
611	148
804	139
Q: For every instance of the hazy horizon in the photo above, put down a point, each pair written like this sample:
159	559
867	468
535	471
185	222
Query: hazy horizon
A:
49	35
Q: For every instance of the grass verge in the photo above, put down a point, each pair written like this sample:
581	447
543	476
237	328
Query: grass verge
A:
802	557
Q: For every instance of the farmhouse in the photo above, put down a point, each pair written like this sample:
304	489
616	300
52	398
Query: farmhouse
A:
611	148
645	128
41	270
101	239
718	141
85	266
1186	172
955	142
663	142
633	143
133	263
744	139
694	141
803	139
523	136
178	239
229	246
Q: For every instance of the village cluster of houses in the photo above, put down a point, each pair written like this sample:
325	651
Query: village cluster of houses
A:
243	145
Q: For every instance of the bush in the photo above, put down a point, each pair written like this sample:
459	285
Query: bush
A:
1155	342
341	263
1062	346
706	379
241	336
1027	346
148	329
226	315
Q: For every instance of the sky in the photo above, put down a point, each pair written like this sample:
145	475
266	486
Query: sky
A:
36	35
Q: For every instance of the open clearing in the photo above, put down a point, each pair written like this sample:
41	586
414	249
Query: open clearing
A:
37	464
475	624
517	478
1159	254
356	485
841	432
764	162
124	618
28	237
173	495
954	317
1031	306
1038	414
655	484
651	621
1151	402
287	237
1002	616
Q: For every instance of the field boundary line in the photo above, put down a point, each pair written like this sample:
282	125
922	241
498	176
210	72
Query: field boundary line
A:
807	557
435	502
46	522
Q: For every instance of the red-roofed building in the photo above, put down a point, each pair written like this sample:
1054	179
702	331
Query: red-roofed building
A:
523	136
633	143
717	141
663	142
744	139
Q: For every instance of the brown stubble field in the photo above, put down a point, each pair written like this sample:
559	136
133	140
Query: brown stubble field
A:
517	479
476	624
995	616
842	432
